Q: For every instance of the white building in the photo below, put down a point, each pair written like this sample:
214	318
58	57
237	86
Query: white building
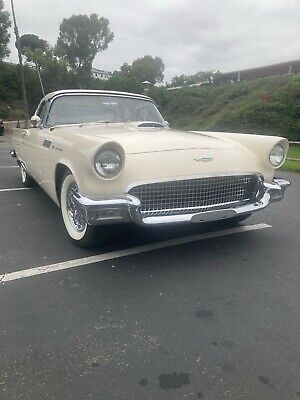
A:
100	74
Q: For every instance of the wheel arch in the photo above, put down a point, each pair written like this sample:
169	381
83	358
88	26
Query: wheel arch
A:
60	171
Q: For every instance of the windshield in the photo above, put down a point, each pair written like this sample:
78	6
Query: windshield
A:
73	109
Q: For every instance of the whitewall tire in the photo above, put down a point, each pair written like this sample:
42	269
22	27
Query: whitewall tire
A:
79	231
26	179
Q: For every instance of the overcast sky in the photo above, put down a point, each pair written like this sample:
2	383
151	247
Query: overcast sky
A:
189	35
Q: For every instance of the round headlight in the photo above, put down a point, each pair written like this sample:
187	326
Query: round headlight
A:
277	155
108	163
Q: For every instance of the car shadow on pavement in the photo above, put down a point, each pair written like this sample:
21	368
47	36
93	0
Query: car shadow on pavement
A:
130	235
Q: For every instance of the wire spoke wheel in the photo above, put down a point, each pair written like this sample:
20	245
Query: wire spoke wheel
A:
23	173
74	213
26	179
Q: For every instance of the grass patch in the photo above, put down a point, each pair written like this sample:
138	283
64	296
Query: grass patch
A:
293	166
294	152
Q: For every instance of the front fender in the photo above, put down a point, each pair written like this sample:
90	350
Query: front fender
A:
259	145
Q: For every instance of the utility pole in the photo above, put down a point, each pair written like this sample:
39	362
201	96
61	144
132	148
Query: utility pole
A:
22	76
40	78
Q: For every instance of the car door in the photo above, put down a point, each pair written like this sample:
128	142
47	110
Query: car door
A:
26	150
32	144
45	155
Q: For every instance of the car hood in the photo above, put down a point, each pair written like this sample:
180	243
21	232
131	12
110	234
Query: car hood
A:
159	153
137	140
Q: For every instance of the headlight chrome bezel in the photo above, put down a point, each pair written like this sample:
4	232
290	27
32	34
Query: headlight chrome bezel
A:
277	151
109	155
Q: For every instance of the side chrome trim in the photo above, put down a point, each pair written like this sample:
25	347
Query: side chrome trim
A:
204	159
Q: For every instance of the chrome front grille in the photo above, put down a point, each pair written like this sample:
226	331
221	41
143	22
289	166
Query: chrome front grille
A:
194	195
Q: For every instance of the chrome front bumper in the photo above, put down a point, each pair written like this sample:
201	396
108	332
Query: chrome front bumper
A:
125	208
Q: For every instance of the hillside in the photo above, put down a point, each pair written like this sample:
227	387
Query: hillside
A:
265	106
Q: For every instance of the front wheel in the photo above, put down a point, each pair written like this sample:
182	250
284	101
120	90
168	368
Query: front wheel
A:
26	179
80	233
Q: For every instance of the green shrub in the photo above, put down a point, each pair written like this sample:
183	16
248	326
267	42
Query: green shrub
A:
264	106
3	112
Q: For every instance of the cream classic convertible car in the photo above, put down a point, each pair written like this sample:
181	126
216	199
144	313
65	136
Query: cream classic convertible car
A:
109	157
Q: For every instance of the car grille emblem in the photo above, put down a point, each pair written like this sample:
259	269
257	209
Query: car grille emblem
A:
204	159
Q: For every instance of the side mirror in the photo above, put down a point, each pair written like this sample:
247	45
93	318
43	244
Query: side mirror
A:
36	121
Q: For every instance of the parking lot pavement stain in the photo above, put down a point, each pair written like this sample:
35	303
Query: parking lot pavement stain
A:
204	314
228	344
265	380
228	367
95	364
143	382
200	395
173	381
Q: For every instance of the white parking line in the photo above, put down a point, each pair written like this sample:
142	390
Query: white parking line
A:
12	276
9	166
14	189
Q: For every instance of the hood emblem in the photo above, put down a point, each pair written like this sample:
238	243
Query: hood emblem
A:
204	159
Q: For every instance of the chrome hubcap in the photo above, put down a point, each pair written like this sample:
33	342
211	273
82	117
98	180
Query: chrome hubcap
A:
74	214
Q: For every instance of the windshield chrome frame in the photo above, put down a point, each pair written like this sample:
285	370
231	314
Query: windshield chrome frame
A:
55	97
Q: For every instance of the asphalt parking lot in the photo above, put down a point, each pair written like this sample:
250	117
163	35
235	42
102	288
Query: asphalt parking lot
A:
216	316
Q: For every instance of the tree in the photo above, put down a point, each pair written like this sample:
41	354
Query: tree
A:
126	69
35	50
148	68
54	72
30	43
124	83
178	80
80	38
201	76
4	34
